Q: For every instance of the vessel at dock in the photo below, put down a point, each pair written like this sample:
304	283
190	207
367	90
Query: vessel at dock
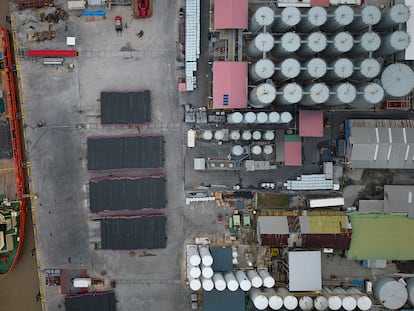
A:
12	185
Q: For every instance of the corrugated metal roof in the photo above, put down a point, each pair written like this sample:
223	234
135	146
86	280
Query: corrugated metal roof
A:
229	85
230	14
277	240
371	206
91	302
336	241
293	153
272	225
310	123
398	198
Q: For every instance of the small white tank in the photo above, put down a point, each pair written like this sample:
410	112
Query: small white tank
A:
364	303
285	117
207	135
261	117
231	281
275	301
368	42
235	135
206	257
254	278
195	284
269	135
206	271
249	117
268	280
256	150
235	118
259	300
372	94
193	256
245	284
268	149
237	150
349	303
219	282
306	303
320	303
246	135
274	117
290	302
257	135
195	272
218	135
207	284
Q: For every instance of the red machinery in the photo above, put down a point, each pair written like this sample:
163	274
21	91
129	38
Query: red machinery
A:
118	23
143	8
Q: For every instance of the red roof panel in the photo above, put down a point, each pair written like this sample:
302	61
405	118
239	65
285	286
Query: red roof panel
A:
230	14
310	123
293	153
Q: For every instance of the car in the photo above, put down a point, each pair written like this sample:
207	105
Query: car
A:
181	13
118	23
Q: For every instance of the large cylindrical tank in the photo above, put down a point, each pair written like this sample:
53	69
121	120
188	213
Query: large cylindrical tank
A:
393	43
244	282
368	96
315	17
269	135
247	135
257	135
344	93
365	43
218	135
206	271
397	80
219	282
237	150
393	16
314	43
320	303
207	135
289	43
206	257
334	301
287	19
235	135
287	69
315	94
364	303
254	278
262	43
340	43
367	69
193	256
292	94
285	117
259	300
410	290
342	16
262	95
256	150
235	118
195	284
391	293
314	69
370	16
274	117
268	280
261	117
262	69
306	303
264	16
231	281
267	149
275	301
195	272
340	69
207	284
290	302
249	117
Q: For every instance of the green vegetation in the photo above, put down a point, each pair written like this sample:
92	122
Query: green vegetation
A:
270	200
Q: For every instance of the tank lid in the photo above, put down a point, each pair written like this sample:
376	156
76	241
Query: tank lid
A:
250	117
370	41
343	68
290	302
291	16
286	117
274	117
207	285
344	15
349	303
400	13
290	42
264	68
373	93
264	16
317	16
317	42
399	40
290	68
316	68
257	135
319	93
264	42
292	93
245	285
235	117
195	272
392	294
237	150
232	285
234	135
195	284
256	149
346	93
370	68
275	302
207	272
343	42
261	117
334	303
398	79
320	303
306	303
371	15
247	135
268	149
364	303
266	93
269	135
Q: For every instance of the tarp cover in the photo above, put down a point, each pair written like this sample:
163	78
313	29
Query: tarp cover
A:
91	302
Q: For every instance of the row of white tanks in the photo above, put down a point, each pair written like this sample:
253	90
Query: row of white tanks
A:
354	19
250	117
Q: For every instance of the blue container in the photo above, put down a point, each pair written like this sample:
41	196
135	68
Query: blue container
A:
94	13
1	55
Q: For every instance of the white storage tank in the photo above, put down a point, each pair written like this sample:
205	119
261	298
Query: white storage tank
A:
261	44
342	16
207	135
364	303
370	15
315	94
315	68
285	117
320	303
235	118
254	278
218	135
369	95
195	272
287	19
397	80
365	43
315	17
274	117
195	284
292	94
245	284
367	69
306	303
268	149
257	135
314	43
249	117
219	282
264	16
393	16
393	43
256	150
275	301
391	293
262	95
231	281
259	300
247	135
268	280
334	301
262	69
289	43
207	284
206	257
340	69
348	302
235	135
193	256
410	290
269	135
290	302
206	271
287	69
261	117
340	43
344	93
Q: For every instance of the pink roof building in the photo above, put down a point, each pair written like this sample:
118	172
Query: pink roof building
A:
310	123
293	150
230	14
229	85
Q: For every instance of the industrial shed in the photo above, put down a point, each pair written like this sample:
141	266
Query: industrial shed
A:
310	123
305	271
136	232
127	193
125	152
91	302
230	14
125	107
293	150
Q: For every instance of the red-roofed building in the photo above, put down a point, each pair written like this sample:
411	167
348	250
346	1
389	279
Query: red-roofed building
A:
293	150
310	123
230	14
229	85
